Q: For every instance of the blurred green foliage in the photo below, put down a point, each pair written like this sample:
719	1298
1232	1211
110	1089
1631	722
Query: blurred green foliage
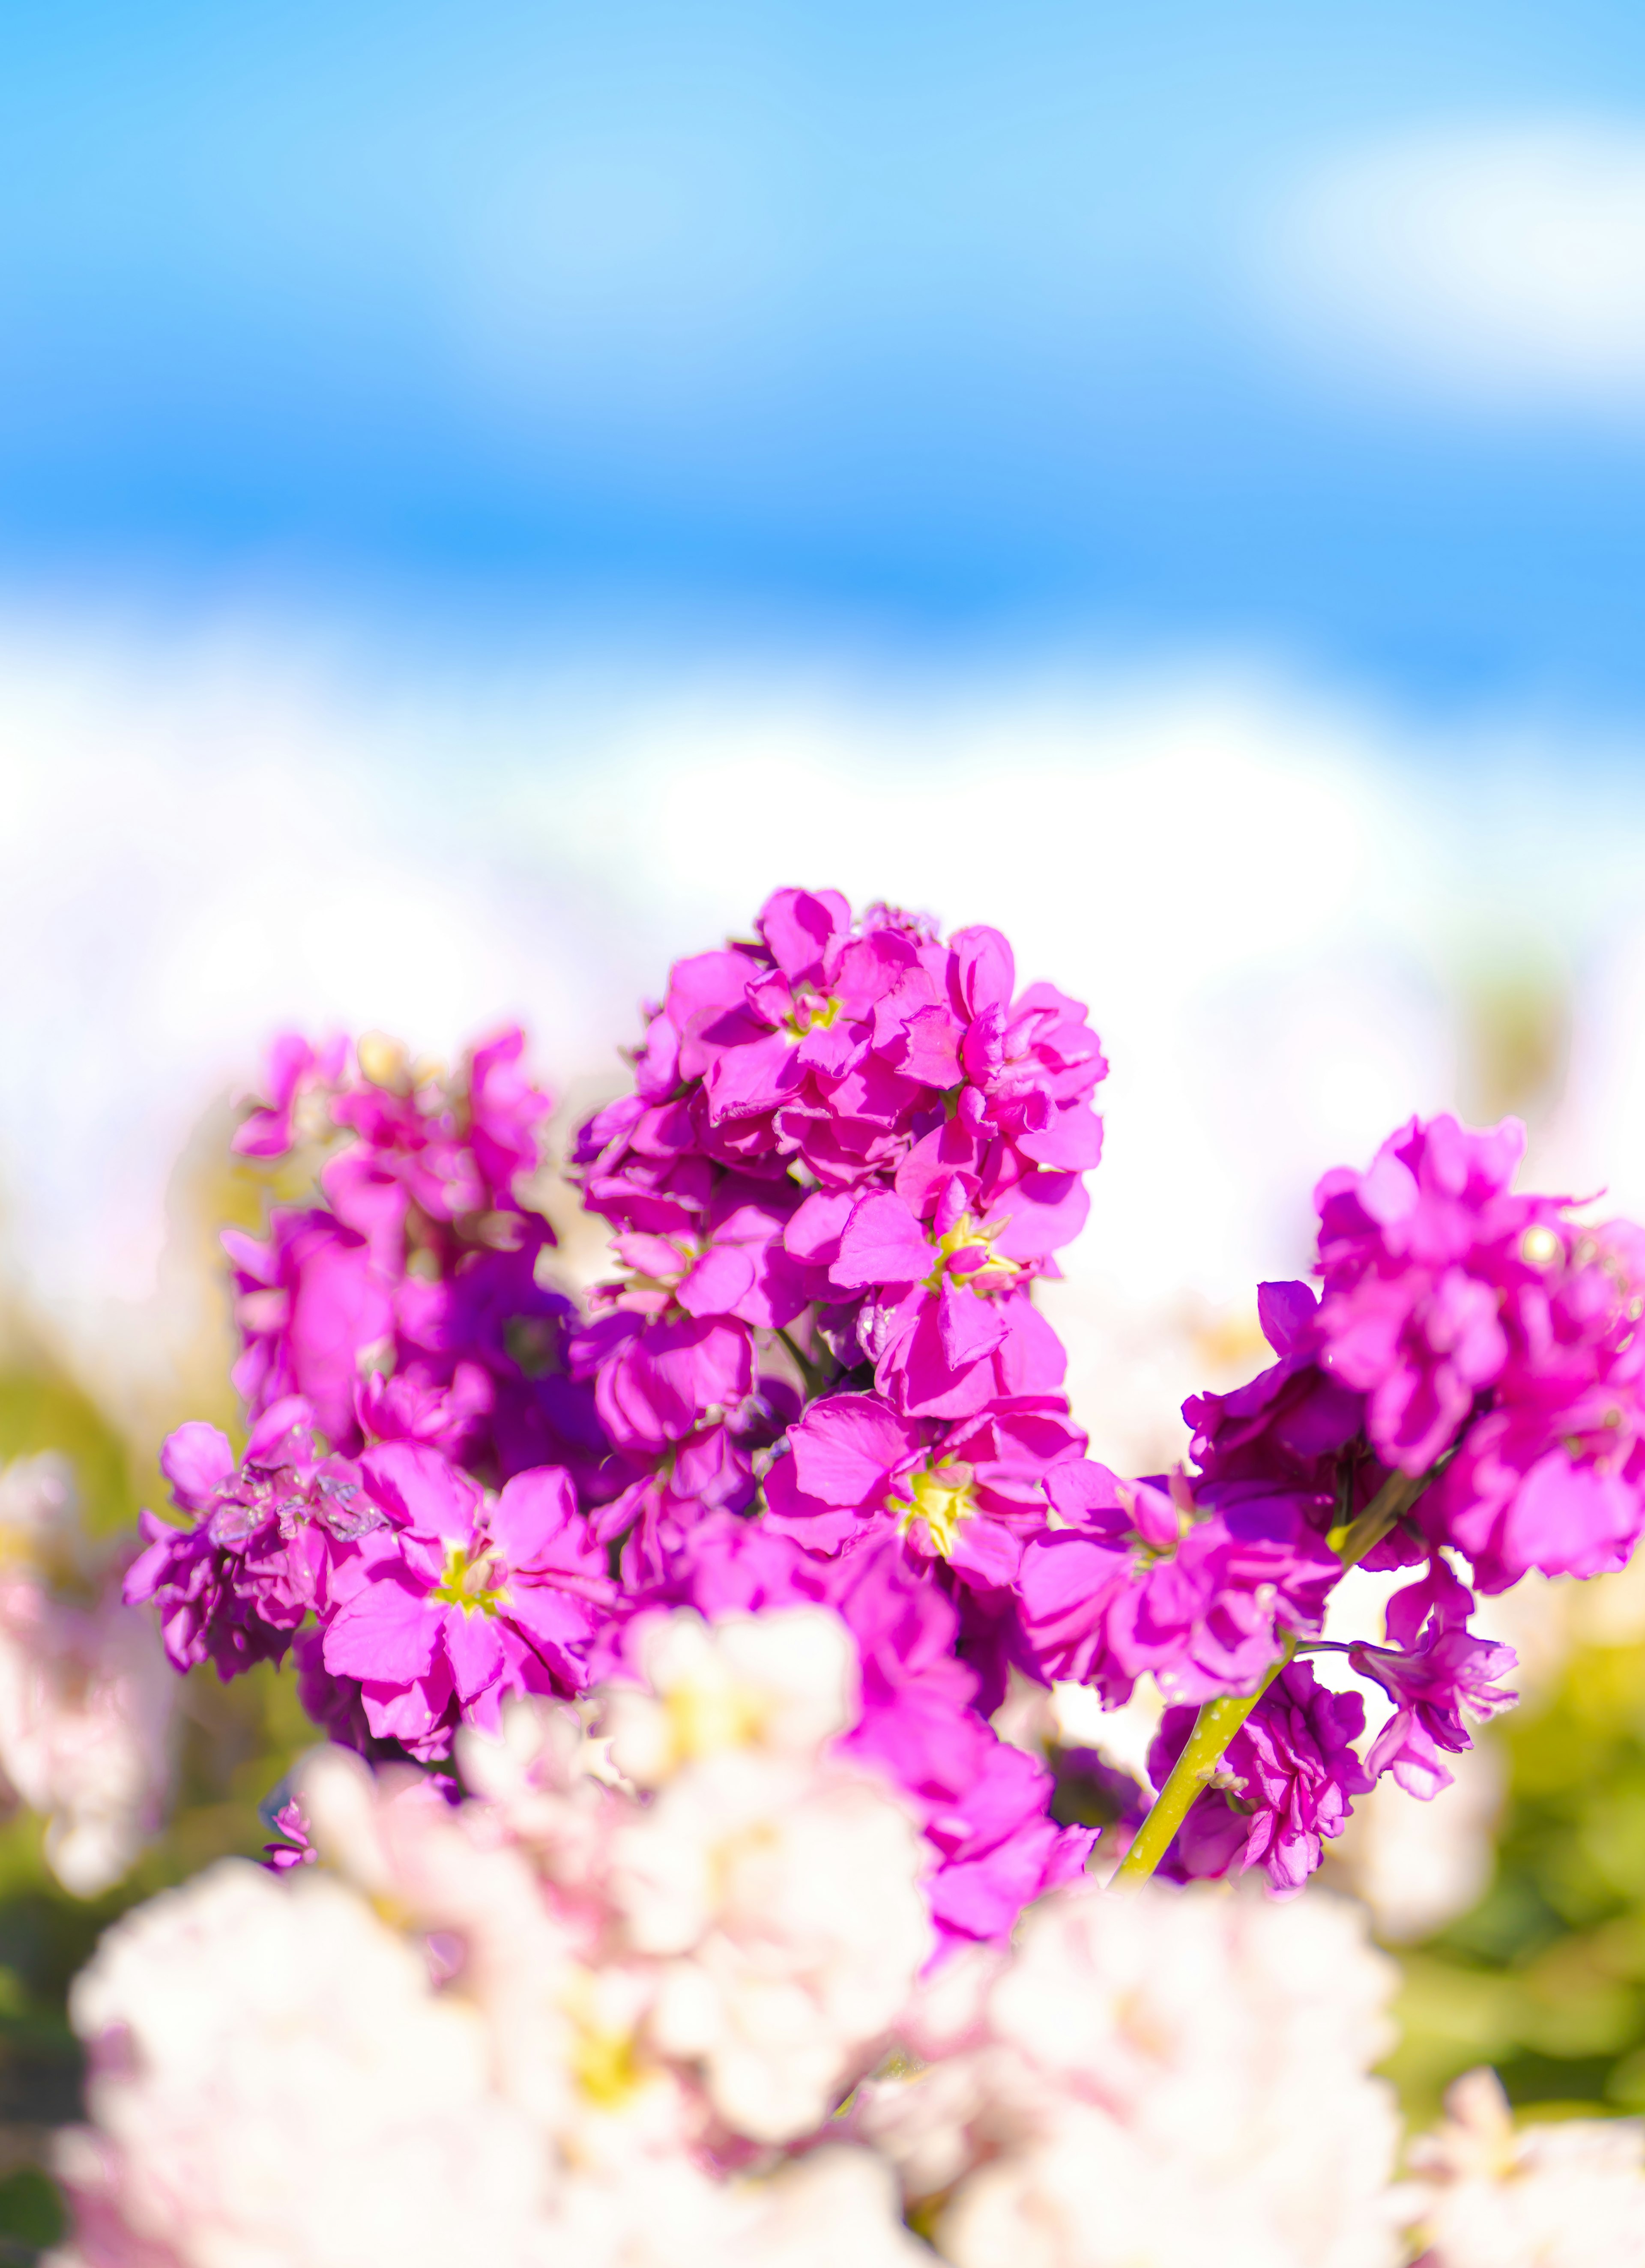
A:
1546	1977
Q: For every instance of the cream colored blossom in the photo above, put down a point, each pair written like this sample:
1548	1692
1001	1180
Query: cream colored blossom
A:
86	1698
1565	2195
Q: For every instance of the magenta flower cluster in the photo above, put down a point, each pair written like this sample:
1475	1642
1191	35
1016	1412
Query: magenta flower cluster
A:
817	1375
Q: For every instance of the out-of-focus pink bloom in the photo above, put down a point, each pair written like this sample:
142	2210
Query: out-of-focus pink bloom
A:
86	1700
293	1847
1173	2077
298	1074
968	1493
409	1307
463	1602
311	1308
249	2024
1144	1577
1286	1781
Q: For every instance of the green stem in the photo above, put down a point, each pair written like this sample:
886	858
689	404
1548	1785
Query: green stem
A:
1398	1492
1215	1727
1219	1720
813	1375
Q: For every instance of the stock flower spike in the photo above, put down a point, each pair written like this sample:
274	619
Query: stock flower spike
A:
816	1377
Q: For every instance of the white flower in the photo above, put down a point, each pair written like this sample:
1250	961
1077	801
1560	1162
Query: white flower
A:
1169	2078
87	1696
277	2084
1566	2195
787	1893
784	1681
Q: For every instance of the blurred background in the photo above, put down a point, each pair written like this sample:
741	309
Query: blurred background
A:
486	494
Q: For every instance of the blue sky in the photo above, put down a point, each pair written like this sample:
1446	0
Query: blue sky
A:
939	324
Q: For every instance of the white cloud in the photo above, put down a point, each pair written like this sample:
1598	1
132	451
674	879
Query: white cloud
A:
1496	267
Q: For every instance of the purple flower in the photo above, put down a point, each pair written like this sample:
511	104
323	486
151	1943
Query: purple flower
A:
847	1048
1033	1064
1495	1327
296	1072
1292	1422
273	1539
1285	1782
710	1470
1430	1683
464	1601
1144	1577
656	1381
311	1306
293	1847
966	1493
944	1313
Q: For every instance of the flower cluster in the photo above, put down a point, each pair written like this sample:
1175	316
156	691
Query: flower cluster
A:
819	1380
408	1304
849	1134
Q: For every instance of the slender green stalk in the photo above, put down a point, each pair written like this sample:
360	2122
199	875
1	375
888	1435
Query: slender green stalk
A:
1398	1493
1215	1727
1219	1720
814	1375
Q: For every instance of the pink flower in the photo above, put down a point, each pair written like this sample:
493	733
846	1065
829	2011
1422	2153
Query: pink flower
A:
296	1072
1146	1577
1285	1782
464	1601
848	1047
676	1342
293	1847
655	1382
1494	1325
311	1306
1033	1064
273	1539
967	1494
1430	1684
945	1320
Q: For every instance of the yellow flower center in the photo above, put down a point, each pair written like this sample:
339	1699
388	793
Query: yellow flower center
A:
810	1013
966	1236
709	1714
605	2067
941	1495
468	1581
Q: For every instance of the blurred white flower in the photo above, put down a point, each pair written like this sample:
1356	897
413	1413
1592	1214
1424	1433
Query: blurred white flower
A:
783	1681
87	1696
1418	1865
275	2081
1566	2195
1165	2078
